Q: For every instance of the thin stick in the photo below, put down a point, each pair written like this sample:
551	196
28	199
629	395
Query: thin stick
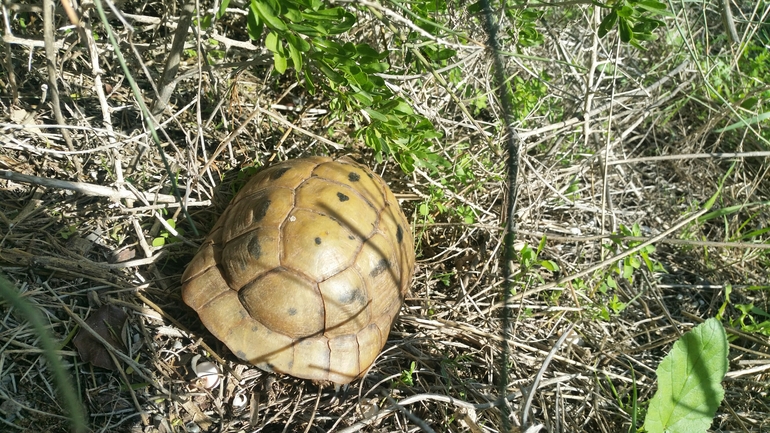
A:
546	362
53	82
88	189
715	155
167	83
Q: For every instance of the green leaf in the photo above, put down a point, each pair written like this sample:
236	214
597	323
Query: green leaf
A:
222	8
689	381
376	115
293	15
655	8
330	73
272	43
254	25
607	24
206	22
652	4
625	30
280	62
309	83
746	122
625	12
550	265
268	15
296	57
159	241
299	43
710	202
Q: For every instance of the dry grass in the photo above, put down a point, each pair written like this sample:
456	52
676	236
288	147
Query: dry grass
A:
580	178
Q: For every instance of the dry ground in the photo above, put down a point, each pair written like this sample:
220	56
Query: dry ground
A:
583	174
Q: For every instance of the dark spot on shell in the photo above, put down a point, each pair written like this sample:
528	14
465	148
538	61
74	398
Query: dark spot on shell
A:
351	237
352	296
342	197
353	177
318	241
278	173
254	248
254	328
291	364
241	355
399	234
382	265
292	311
260	210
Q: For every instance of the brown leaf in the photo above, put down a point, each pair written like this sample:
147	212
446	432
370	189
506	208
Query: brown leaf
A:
108	321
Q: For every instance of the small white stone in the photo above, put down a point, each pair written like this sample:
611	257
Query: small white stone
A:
239	400
207	372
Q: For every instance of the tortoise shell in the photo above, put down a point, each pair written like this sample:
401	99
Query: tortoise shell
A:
306	270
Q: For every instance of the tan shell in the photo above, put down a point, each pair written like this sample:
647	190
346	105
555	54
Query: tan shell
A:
306	270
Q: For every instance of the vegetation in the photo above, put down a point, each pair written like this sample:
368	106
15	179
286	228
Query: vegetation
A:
643	207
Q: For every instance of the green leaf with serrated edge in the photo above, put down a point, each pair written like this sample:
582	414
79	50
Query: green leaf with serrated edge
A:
690	381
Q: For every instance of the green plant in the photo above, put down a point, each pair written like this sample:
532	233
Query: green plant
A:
628	403
689	382
633	19
751	313
633	263
68	231
303	34
407	376
530	264
165	236
609	303
528	258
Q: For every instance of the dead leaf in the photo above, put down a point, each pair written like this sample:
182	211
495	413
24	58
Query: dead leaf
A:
108	321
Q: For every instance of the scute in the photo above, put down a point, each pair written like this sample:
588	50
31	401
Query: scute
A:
286	303
340	202
306	270
317	245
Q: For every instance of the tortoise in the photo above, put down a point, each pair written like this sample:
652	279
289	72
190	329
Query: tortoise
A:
306	270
